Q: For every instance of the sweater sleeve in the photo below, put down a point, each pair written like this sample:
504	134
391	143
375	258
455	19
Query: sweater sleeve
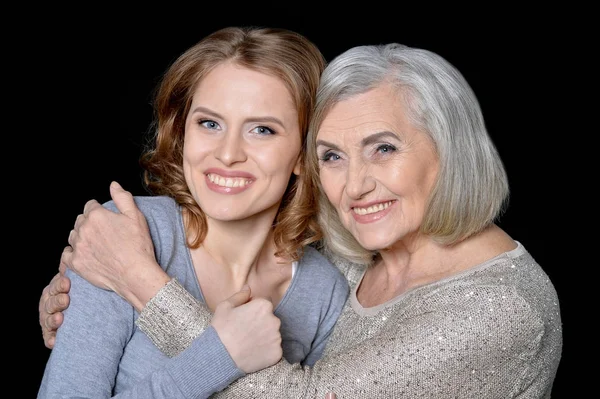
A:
480	350
203	369
173	318
469	350
97	327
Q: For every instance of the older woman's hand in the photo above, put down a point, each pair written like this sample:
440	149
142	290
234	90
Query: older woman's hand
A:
114	250
53	301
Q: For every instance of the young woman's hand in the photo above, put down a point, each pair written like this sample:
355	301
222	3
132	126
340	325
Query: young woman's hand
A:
249	330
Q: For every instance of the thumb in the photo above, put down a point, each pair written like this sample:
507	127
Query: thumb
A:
240	297
123	200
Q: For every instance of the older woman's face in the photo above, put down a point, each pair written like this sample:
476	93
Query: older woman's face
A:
242	143
376	168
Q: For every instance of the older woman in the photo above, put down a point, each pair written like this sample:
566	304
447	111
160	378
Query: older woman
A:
443	302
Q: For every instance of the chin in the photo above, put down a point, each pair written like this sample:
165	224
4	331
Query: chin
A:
372	243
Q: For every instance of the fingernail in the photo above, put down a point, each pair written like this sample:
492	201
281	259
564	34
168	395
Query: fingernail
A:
330	395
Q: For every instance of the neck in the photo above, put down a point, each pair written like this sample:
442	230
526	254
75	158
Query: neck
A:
417	262
239	245
236	253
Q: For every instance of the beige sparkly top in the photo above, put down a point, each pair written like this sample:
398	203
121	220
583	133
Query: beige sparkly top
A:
493	331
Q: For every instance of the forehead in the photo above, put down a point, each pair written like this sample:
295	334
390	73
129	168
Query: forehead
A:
234	82
379	109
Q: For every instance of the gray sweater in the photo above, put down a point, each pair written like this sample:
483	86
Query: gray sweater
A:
101	353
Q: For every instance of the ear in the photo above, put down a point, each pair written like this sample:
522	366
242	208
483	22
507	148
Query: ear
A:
298	166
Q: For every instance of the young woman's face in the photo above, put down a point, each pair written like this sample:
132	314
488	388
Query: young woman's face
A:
376	168
242	143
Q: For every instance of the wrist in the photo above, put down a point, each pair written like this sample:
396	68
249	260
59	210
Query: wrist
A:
139	288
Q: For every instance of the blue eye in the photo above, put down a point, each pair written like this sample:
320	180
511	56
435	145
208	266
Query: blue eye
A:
263	130
385	148
209	124
329	156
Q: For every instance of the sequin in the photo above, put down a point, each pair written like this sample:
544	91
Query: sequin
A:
437	341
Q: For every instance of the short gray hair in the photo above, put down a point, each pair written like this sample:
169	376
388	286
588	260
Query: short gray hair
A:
471	190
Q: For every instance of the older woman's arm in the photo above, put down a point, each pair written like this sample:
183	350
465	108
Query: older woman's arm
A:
447	343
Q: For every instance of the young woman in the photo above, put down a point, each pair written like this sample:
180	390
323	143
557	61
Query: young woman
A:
443	302
231	218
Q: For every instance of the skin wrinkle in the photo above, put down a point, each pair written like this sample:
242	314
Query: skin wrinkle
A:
376	177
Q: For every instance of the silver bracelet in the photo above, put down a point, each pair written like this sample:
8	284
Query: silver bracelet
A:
173	318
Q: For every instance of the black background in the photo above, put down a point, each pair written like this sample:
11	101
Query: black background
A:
82	110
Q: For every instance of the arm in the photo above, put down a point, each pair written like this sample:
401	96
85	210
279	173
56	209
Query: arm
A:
97	253
458	347
255	344
439	345
85	358
95	262
92	342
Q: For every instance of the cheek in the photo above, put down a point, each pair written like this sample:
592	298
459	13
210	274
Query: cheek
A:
276	160
195	149
332	186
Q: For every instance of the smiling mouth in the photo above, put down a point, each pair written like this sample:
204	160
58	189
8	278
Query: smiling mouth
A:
228	181
372	209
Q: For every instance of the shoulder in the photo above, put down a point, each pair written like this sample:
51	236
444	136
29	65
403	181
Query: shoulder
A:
353	272
318	263
509	296
163	216
516	278
160	211
149	205
321	270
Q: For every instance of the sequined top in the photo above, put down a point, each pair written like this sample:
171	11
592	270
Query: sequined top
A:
493	331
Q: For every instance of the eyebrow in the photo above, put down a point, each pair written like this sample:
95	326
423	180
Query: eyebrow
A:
260	119
365	142
378	136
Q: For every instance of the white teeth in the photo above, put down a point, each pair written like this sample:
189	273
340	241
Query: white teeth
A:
372	209
227	182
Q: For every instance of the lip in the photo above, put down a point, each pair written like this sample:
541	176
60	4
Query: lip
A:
228	174
371	217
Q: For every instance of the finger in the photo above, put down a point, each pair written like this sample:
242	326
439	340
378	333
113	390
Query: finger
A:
123	200
57	303
65	259
239	298
53	322
49	336
330	395
59	285
89	206
71	238
78	221
42	303
49	340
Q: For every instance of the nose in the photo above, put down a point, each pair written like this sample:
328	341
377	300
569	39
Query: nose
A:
231	149
359	181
